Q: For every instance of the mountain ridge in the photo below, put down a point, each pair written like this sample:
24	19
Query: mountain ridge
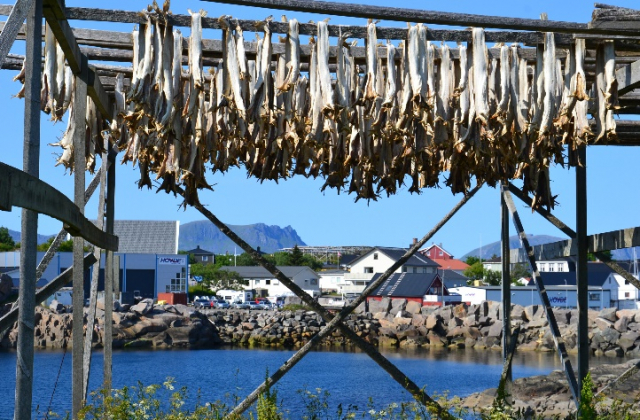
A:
205	234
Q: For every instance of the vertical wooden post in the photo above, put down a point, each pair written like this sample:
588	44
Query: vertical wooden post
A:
582	267
506	281
79	107
95	277
28	254
111	271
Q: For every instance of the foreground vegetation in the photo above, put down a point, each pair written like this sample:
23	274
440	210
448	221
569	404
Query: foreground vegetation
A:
165	402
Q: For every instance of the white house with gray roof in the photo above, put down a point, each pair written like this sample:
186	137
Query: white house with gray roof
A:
265	284
378	260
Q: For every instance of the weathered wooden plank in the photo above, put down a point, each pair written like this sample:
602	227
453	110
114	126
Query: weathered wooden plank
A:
504	393
607	241
13	25
582	269
628	77
50	288
506	286
544	298
29	222
112	270
29	192
98	94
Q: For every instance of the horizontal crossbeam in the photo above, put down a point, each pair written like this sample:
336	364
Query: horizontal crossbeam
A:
20	189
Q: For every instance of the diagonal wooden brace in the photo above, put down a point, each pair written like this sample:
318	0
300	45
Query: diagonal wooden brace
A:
544	298
395	373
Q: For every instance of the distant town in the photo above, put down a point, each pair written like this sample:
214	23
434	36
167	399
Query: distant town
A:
152	266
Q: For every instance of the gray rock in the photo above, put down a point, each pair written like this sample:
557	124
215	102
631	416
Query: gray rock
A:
397	305
533	312
495	331
143	307
608	314
382	305
632	314
432	321
622	324
603	323
517	312
563	316
627	340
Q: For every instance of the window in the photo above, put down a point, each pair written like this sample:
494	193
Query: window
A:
551	267
368	270
627	294
275	282
375	255
424	269
313	282
440	253
404	268
415	269
594	296
205	258
267	282
257	282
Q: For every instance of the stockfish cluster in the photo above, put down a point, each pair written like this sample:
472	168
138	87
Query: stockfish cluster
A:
409	114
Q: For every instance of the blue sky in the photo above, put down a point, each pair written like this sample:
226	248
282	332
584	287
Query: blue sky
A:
328	218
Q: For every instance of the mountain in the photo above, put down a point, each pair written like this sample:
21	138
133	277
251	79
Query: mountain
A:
493	248
204	234
17	235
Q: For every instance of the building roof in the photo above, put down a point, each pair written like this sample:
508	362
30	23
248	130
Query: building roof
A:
439	246
405	284
395	254
453	264
199	251
347	259
258	272
333	272
597	275
451	275
147	236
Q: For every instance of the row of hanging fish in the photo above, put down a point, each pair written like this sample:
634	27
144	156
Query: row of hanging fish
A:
56	98
413	111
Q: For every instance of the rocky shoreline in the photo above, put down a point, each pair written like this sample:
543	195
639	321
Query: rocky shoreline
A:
389	324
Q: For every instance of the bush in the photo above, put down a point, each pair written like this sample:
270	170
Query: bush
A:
200	291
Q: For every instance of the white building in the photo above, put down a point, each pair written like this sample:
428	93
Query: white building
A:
628	295
378	260
331	280
559	296
264	284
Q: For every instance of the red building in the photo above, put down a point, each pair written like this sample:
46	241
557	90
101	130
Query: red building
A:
444	259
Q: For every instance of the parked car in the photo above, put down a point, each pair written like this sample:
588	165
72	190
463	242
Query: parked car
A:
201	303
255	305
240	305
222	304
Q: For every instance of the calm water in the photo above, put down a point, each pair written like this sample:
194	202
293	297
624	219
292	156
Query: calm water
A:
349	377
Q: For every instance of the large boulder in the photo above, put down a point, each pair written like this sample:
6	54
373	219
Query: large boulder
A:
622	324
382	305
609	314
632	314
413	307
56	307
397	305
143	307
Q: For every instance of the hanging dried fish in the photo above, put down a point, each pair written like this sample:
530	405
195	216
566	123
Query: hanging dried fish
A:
48	92
145	67
293	38
549	103
611	90
372	61
481	76
242	55
324	74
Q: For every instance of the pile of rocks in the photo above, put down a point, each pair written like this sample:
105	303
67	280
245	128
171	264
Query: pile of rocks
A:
550	396
389	323
141	325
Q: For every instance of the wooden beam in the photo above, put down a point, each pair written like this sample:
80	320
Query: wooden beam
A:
504	393
607	241
22	190
582	269
13	25
53	286
506	283
628	77
544	298
29	222
424	16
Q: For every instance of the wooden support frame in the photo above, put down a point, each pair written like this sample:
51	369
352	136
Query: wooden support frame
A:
112	274
572	234
505	385
396	374
20	189
53	286
14	23
544	298
628	77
